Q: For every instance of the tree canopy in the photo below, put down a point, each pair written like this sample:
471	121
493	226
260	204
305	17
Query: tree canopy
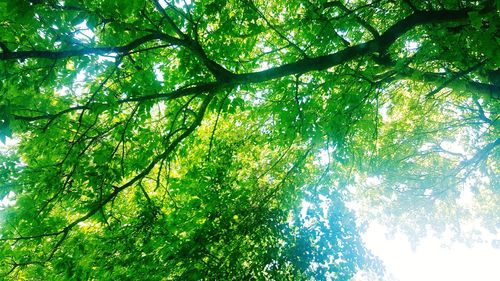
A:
230	139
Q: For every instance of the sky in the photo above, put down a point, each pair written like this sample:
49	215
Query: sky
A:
431	261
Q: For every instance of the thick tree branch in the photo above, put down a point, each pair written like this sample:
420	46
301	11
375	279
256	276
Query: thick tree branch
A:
194	46
441	81
378	44
301	66
90	50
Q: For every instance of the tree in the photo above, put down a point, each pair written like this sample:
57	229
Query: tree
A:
179	140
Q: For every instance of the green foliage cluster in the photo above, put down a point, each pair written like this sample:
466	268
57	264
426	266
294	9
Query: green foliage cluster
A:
225	140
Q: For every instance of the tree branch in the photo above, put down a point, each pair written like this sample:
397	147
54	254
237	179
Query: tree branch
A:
169	19
481	154
442	81
378	44
91	50
182	92
361	21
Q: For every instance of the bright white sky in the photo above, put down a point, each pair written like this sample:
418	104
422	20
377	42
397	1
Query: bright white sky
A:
432	262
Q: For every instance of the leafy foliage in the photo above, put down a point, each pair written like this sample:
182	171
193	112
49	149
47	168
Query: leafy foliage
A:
188	140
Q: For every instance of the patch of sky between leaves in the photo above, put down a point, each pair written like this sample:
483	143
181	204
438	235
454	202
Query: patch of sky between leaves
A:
344	34
384	111
77	88
83	33
177	3
10	198
411	47
158	73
